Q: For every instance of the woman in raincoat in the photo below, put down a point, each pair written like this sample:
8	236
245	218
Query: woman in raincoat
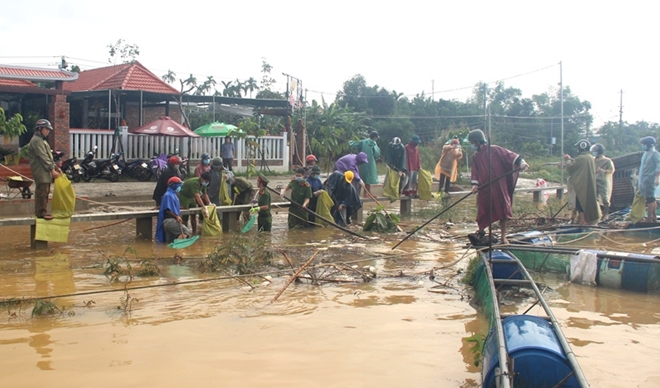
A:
446	171
368	172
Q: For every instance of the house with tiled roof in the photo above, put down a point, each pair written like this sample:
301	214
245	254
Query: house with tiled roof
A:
35	93
102	97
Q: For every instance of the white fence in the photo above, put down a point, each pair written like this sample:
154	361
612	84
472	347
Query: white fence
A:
272	151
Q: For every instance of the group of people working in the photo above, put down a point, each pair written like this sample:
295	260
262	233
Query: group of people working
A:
212	184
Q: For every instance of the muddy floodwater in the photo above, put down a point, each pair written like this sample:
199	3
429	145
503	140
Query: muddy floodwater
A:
402	329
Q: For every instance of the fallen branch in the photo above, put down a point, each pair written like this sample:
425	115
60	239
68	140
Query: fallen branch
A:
106	225
295	275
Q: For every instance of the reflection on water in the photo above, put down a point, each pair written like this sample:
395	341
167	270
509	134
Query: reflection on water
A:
388	332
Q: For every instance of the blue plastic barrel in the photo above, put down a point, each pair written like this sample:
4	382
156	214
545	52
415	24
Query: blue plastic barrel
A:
635	276
538	358
505	270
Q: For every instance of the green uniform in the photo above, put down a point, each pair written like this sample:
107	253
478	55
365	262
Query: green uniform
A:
243	190
264	219
190	187
299	192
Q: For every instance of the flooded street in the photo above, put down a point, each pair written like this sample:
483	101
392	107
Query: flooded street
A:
400	329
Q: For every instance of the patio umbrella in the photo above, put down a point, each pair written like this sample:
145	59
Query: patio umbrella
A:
164	126
215	129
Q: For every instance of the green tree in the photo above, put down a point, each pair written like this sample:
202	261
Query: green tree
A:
250	85
13	127
625	138
127	53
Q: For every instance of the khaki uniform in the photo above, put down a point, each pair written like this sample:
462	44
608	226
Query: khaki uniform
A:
41	164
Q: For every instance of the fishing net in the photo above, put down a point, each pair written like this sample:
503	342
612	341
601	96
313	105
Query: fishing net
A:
482	290
543	261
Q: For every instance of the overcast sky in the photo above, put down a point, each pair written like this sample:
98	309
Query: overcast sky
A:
402	46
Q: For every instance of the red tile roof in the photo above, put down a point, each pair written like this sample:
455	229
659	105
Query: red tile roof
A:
16	82
36	74
127	76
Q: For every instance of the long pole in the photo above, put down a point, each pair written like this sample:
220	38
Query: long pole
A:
454	204
561	99
620	109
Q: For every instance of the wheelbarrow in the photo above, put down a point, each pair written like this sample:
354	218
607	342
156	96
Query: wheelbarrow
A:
17	185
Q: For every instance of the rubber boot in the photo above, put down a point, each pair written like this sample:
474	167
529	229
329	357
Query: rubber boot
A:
652	209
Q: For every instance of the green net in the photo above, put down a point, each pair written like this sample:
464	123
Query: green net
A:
543	261
483	292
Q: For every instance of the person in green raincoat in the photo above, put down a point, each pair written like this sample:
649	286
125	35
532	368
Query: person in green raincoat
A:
368	172
582	172
301	193
193	194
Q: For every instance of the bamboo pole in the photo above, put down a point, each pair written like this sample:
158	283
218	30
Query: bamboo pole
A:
295	275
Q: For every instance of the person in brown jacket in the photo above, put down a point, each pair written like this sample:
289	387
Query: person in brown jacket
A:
44	169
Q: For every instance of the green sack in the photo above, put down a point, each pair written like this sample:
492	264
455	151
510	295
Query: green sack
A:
211	225
391	185
638	208
424	191
64	199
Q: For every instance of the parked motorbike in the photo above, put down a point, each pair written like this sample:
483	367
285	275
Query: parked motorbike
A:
137	169
106	169
157	164
70	167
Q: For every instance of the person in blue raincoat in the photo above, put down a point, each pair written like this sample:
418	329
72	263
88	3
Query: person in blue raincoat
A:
169	225
317	188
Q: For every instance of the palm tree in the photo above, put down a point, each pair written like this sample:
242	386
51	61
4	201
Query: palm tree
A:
250	85
227	92
169	77
238	87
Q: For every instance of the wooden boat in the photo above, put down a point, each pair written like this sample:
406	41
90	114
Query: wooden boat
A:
521	350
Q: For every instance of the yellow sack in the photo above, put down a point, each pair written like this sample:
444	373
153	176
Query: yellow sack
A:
55	230
64	199
323	206
638	208
225	199
424	191
211	225
391	185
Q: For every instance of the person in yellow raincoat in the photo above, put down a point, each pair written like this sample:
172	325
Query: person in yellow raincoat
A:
446	171
604	172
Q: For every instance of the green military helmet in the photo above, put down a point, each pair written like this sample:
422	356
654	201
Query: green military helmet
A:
263	179
477	136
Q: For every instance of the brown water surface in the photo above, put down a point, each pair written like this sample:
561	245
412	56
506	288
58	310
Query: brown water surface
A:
394	331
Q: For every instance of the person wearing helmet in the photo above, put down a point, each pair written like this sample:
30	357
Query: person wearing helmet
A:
352	162
346	199
582	174
495	196
310	162
169	224
649	176
317	188
368	172
413	164
44	170
395	158
194	193
227	153
446	171
604	172
204	165
301	193
172	170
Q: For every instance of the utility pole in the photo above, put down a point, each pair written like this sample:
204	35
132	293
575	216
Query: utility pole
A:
620	110
432	90
561	99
